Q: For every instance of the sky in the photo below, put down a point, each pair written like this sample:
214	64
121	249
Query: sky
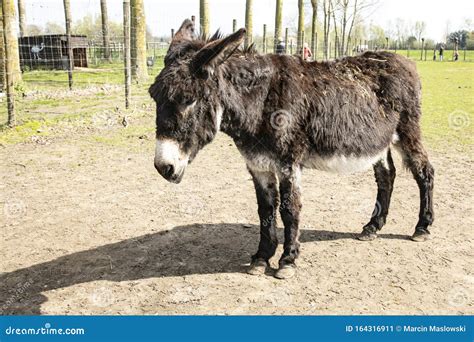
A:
162	15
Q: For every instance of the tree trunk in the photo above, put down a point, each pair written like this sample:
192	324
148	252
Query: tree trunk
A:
248	23
70	52
204	17
12	73
105	30
138	41
2	53
327	26
12	56
278	30
22	17
336	36
342	49
299	43
349	34
314	23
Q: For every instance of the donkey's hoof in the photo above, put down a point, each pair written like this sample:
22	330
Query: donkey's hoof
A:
286	271
367	235
257	267
421	235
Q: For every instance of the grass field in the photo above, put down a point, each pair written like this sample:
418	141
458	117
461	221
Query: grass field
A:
448	100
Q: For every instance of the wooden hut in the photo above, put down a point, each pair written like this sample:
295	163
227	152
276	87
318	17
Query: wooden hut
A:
51	51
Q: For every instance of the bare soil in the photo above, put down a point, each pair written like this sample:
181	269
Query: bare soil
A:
90	227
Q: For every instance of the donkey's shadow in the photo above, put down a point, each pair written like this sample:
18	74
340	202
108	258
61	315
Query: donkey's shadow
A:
183	250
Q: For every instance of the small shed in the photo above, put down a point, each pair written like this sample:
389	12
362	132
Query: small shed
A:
51	51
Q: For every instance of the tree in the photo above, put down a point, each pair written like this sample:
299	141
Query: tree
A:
420	27
138	41
12	56
278	30
53	28
12	74
462	36
22	17
299	43
326	26
33	30
2	53
377	35
204	17
248	23
105	30
314	23
89	25
70	52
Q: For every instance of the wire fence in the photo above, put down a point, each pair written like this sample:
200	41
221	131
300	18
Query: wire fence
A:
89	58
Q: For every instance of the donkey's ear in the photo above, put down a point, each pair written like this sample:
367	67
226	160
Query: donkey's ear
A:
185	32
215	53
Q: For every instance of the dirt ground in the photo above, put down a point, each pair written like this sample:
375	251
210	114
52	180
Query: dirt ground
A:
90	227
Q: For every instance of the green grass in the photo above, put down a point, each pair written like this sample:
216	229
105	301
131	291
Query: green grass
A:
447	103
447	56
112	73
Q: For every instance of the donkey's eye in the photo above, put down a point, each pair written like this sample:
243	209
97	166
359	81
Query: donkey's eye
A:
188	102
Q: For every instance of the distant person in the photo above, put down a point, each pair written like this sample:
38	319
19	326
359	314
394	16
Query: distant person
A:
306	52
434	54
441	51
280	48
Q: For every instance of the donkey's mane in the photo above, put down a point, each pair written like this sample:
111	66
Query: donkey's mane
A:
202	40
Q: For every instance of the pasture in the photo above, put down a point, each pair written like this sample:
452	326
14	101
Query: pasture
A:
89	227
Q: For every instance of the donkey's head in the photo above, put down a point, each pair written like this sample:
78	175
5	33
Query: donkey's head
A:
188	108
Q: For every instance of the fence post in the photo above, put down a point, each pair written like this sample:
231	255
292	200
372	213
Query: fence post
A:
10	88
234	25
70	53
127	56
315	52
172	33
264	38
286	40
302	43
422	48
291	47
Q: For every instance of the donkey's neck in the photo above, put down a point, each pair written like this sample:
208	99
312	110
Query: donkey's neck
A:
244	83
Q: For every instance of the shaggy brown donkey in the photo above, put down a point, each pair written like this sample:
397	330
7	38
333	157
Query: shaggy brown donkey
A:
285	114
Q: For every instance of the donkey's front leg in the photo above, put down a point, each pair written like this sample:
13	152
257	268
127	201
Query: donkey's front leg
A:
290	207
267	198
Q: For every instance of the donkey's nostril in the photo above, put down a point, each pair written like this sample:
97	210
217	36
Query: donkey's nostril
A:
168	171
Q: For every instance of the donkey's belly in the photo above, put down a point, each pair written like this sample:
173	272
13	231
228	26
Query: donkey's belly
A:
341	163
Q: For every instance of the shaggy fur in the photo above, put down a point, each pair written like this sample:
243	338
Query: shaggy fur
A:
285	114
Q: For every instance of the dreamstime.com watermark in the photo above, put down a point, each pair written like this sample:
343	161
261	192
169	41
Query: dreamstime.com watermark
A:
459	120
102	297
280	119
14	208
17	294
459	296
368	207
46	330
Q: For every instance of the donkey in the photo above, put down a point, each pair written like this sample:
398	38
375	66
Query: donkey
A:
285	114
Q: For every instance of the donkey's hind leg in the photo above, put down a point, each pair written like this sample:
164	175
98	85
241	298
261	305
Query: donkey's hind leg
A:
384	171
267	199
416	159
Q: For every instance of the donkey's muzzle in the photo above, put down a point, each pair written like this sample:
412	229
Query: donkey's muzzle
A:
168	172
